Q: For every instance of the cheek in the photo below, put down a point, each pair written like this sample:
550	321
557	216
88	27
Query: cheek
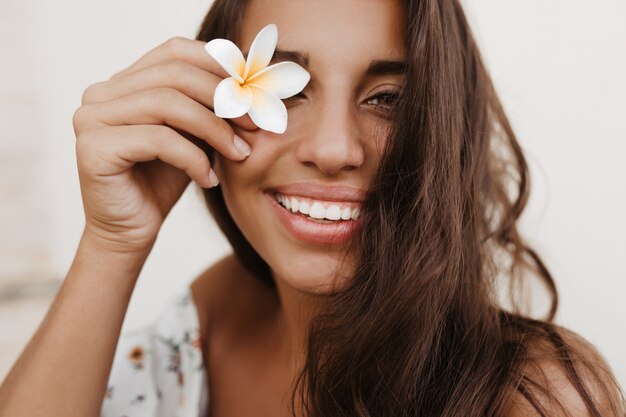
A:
378	131
243	183
252	170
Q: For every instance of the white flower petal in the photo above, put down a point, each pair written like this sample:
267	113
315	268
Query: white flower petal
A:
228	56
231	99
267	111
261	50
283	79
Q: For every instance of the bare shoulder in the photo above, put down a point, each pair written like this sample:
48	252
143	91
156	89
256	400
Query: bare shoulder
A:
563	377
212	284
226	293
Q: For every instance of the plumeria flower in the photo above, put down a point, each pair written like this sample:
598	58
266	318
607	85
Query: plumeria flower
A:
253	87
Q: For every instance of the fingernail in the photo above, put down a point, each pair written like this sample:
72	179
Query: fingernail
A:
213	178
242	146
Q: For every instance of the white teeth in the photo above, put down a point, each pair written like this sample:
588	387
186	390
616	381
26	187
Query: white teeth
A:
317	209
295	205
333	212
304	208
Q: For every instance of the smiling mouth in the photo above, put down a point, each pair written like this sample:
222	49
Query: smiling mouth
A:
317	210
313	226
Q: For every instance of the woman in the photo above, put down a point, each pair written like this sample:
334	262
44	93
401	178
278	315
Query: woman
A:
398	317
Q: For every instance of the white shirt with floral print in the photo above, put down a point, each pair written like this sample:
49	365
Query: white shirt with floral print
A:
158	370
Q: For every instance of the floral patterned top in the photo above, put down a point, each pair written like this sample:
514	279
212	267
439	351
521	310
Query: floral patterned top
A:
158	370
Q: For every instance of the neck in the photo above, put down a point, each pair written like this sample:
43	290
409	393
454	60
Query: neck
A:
294	312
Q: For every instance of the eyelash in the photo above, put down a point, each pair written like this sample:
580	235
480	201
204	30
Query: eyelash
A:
392	96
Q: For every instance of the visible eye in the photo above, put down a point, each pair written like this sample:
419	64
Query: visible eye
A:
292	98
388	97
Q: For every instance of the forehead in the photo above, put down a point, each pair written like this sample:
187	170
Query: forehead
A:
334	33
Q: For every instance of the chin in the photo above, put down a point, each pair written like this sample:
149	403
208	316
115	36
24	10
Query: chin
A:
311	273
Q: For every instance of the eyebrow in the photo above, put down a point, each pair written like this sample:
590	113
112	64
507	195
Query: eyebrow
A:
376	67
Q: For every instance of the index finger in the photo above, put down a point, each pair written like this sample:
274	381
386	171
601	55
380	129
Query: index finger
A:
188	50
191	51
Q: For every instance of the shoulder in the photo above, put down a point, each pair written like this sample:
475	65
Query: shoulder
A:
227	294
209	288
566	375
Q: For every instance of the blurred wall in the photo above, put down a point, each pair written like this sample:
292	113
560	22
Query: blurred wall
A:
556	65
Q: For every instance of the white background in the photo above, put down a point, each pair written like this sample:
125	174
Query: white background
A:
558	66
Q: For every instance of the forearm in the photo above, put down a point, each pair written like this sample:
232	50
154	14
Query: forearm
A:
63	370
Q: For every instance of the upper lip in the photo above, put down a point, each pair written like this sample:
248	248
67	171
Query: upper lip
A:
319	191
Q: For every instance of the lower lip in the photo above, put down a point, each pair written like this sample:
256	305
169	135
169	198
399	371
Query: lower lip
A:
336	233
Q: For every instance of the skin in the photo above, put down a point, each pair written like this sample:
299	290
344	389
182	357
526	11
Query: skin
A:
134	161
335	135
136	150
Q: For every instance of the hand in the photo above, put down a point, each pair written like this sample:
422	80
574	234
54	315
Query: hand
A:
143	135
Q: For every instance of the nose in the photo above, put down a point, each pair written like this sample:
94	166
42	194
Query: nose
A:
332	142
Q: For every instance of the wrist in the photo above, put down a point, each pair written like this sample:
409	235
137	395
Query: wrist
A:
117	245
130	255
100	267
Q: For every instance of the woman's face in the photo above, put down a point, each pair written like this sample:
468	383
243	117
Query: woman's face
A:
335	133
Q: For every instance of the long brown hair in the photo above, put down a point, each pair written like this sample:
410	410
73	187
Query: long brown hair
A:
420	329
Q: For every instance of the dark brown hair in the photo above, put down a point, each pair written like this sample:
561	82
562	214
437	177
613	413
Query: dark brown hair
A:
420	329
